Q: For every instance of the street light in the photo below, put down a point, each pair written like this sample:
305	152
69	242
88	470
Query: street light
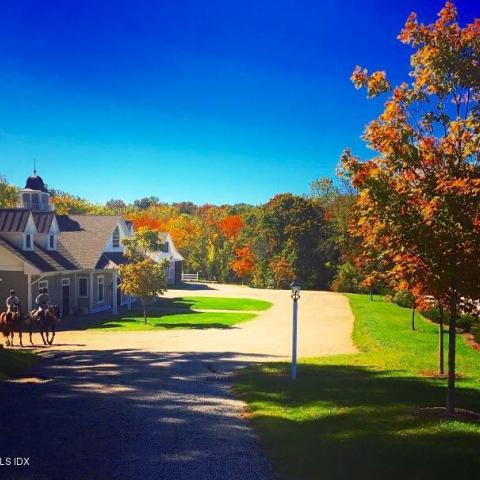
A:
295	286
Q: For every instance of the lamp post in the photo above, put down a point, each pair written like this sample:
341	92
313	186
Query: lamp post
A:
295	286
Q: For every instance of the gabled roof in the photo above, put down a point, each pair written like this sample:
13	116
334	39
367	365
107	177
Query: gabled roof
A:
13	220
85	236
43	221
43	260
111	259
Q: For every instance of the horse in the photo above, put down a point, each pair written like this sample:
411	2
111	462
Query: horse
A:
11	322
46	320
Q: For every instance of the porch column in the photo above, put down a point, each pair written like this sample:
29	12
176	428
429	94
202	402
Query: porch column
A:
90	299
114	292
29	292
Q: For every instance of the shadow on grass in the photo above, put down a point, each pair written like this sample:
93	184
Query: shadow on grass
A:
347	422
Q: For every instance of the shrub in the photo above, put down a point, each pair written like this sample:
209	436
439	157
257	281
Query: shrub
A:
476	332
467	322
403	298
347	279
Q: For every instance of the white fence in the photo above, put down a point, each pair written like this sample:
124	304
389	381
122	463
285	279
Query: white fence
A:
189	277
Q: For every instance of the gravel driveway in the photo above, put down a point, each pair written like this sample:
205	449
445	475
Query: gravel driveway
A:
157	405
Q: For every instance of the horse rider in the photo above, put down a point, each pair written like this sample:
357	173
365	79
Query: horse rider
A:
13	302
42	302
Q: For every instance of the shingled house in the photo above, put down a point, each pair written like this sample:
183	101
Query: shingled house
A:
75	257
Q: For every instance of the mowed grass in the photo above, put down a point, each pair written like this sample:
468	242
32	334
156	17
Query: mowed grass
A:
356	416
157	321
15	362
215	303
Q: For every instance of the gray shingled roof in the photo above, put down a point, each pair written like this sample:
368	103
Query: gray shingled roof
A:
85	236
43	221
44	260
13	220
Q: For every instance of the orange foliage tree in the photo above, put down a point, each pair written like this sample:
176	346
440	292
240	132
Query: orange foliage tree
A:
244	262
420	196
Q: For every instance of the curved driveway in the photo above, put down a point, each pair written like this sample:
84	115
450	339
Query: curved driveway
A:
157	405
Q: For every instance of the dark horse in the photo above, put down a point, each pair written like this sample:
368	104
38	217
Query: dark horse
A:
11	322
45	320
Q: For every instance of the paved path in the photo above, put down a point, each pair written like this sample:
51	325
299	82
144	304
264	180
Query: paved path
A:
154	405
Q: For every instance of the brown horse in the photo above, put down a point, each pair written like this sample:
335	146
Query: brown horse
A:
46	321
11	322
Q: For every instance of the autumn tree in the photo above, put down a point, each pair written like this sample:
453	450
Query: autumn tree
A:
420	196
244	262
144	279
8	194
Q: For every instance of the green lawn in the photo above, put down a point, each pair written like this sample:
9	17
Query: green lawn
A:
215	303
15	362
197	320
353	416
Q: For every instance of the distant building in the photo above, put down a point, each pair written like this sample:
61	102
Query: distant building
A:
76	257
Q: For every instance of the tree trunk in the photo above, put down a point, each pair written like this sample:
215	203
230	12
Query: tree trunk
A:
144	311
371	295
440	344
413	315
452	332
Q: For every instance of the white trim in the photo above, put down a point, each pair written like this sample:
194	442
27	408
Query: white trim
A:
65	282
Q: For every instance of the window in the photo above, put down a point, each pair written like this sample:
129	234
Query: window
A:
65	282
116	238
83	287
100	290
43	284
35	201
26	200
165	247
28	241
52	242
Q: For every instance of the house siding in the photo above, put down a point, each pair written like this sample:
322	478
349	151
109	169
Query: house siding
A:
13	281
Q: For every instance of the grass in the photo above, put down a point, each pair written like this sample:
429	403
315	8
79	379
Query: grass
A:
15	362
215	303
194	320
353	416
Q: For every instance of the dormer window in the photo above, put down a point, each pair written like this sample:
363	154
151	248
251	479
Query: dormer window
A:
51	242
27	242
116	238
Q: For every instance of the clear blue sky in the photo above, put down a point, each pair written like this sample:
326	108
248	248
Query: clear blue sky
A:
210	101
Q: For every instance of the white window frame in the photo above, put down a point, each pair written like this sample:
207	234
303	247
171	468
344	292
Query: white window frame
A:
51	236
78	286
43	284
116	238
101	281
65	282
25	236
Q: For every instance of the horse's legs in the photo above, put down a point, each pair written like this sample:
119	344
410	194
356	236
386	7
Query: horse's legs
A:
20	336
41	333
53	334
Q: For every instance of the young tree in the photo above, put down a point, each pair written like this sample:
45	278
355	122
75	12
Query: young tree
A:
420	197
144	279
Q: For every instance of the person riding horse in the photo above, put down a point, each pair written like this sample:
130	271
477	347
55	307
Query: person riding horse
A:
42	301
13	303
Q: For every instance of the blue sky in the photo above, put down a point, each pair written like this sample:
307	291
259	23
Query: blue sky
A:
208	101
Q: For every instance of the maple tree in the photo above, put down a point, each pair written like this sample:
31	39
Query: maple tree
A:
244	262
420	196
